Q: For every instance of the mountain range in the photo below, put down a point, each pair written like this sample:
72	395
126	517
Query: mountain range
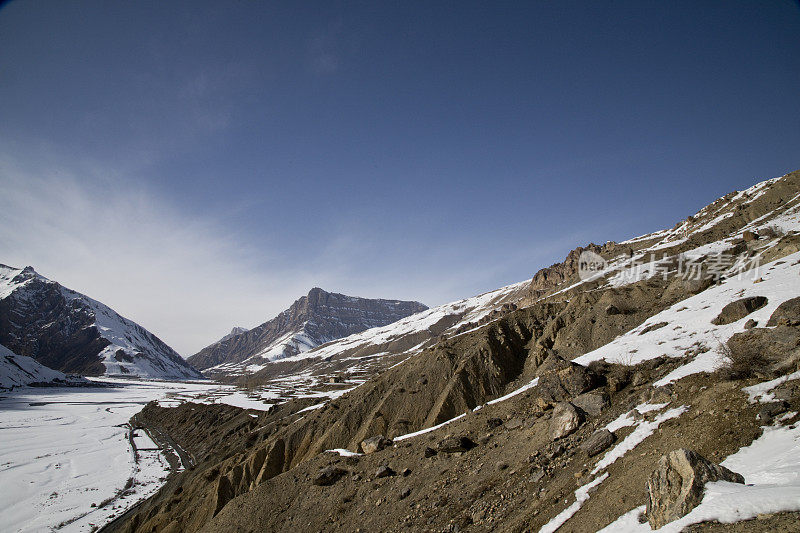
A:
312	320
70	332
565	402
562	402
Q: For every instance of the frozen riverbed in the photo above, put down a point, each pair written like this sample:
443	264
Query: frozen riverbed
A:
65	460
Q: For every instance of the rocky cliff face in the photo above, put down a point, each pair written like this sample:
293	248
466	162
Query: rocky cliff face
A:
68	331
312	320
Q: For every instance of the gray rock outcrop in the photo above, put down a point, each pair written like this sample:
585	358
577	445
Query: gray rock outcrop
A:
328	476
598	442
676	486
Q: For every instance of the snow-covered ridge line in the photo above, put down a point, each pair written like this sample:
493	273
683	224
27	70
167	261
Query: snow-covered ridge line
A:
470	310
54	312
312	320
689	321
688	227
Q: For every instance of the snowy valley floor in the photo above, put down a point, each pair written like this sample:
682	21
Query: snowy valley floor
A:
64	452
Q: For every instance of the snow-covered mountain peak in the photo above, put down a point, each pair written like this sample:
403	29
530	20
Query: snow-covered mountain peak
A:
68	331
312	320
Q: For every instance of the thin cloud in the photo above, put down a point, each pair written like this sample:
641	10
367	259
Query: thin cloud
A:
324	49
187	280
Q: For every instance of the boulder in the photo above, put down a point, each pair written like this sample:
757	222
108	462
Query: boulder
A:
682	286
577	379
617	382
560	380
788	313
566	419
770	410
788	392
328	476
591	403
375	444
454	444
739	309
676	486
750	324
598	442
552	363
384	471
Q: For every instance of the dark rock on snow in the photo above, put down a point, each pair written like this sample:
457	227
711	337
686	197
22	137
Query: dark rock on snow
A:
787	314
739	309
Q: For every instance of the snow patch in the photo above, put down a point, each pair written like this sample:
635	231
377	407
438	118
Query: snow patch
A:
581	495
642	430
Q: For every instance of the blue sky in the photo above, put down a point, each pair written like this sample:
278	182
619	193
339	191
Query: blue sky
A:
200	165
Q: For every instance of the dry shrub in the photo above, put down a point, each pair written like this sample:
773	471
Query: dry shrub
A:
742	361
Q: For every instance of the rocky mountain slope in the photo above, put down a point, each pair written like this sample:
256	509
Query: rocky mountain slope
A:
312	320
632	397
70	332
718	226
329	370
18	371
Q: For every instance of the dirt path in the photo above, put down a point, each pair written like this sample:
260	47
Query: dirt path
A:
177	457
